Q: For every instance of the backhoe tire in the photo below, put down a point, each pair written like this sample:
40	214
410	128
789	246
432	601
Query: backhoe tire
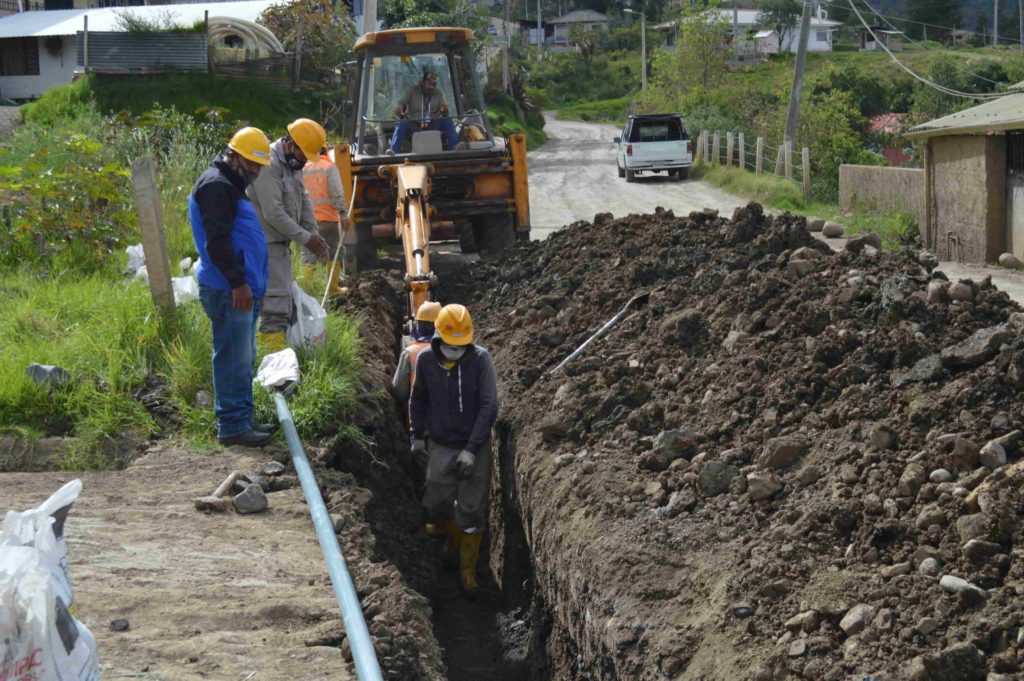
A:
494	233
467	239
622	172
366	248
630	176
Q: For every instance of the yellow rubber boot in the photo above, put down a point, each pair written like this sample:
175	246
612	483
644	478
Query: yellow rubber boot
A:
452	543
469	551
274	341
306	272
334	287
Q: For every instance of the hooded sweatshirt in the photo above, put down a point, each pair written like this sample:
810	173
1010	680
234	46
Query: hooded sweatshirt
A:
456	406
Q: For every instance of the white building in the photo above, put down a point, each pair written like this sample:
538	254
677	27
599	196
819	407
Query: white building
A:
39	49
819	39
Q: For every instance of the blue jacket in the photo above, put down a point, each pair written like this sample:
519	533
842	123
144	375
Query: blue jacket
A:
227	232
457	407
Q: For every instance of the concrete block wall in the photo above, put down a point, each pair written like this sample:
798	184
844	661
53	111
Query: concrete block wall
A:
882	188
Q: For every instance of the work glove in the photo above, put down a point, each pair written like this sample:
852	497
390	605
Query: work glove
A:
419	452
464	464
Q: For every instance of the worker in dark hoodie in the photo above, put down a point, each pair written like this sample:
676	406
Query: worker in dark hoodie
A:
455	403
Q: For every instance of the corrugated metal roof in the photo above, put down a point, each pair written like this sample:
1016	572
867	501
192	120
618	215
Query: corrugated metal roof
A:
119	51
70	21
1005	113
580	16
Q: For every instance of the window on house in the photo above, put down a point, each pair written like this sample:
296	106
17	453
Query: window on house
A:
821	36
19	57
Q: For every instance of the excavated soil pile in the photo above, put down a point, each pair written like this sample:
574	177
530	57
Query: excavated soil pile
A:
788	463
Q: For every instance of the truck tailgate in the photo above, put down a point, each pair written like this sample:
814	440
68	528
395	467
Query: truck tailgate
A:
650	152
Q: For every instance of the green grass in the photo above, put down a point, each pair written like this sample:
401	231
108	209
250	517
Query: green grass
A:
506	117
604	111
253	101
895	227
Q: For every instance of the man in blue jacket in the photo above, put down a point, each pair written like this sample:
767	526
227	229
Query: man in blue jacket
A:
232	276
455	403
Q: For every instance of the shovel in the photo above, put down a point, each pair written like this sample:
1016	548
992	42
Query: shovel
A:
634	303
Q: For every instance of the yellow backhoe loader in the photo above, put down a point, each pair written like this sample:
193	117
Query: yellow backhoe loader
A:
418	187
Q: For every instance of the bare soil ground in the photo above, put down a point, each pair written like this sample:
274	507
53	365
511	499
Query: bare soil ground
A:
207	596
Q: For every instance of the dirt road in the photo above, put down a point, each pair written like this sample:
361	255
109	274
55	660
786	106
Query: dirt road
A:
573	176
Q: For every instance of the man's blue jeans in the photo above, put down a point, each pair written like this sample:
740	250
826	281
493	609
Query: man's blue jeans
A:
234	351
403	133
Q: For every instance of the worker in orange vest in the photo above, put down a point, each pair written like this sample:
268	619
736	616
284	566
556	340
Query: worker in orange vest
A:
323	184
422	333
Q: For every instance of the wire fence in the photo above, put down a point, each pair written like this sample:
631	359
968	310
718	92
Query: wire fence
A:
732	150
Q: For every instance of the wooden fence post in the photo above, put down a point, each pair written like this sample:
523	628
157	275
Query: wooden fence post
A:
742	152
696	149
297	76
789	160
806	154
728	150
715	149
151	223
759	161
780	168
707	147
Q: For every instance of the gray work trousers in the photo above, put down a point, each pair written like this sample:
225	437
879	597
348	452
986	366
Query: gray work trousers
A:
445	495
278	311
329	231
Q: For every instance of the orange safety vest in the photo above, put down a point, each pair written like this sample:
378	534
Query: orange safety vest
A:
315	178
414	350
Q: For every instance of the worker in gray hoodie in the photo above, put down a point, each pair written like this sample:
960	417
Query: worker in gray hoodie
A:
454	403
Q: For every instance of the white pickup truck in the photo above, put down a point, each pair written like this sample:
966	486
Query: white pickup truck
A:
652	143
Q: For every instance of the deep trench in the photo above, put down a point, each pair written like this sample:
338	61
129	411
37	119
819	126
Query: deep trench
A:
500	635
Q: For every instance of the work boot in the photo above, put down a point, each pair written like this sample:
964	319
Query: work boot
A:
334	287
249	438
265	427
469	551
274	341
306	272
451	544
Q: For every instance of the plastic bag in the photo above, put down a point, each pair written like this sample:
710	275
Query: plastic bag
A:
278	369
40	639
185	289
136	258
311	325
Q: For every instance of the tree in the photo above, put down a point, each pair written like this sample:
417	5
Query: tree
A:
702	51
327	34
462	13
782	16
585	40
935	12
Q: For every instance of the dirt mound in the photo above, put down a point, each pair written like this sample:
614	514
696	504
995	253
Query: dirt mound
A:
781	466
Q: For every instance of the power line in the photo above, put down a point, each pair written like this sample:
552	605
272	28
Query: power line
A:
914	42
932	84
948	28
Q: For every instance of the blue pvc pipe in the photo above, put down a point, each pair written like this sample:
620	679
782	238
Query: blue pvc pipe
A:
363	654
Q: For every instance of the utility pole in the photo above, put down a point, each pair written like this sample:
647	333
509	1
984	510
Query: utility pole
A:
793	115
643	49
1020	18
540	31
506	84
369	16
995	23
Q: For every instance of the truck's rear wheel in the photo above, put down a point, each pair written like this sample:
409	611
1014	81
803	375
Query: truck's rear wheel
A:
683	173
494	232
622	173
630	175
366	249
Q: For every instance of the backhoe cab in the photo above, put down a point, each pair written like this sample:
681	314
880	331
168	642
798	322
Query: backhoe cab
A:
475	190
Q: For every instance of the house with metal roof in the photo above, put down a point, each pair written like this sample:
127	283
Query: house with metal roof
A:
40	49
586	19
974	180
749	21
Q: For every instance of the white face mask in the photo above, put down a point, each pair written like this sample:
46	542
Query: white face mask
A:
452	352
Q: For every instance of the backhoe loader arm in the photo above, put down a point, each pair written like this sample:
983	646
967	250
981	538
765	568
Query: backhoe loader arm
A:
412	225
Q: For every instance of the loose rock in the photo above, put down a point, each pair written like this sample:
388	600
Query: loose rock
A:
857	618
252	500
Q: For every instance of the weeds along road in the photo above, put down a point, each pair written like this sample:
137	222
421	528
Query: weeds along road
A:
573	176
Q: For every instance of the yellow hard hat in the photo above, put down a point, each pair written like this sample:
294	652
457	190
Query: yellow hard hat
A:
252	144
428	311
309	135
455	325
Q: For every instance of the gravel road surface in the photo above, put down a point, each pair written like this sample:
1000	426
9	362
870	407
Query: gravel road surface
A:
573	176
